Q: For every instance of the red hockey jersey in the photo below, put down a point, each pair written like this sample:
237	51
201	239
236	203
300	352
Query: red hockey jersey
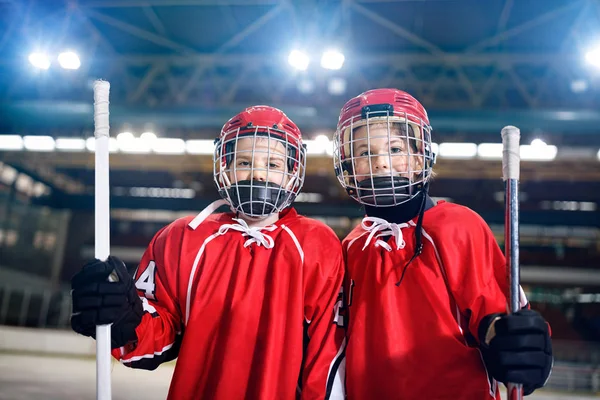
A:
417	340
250	313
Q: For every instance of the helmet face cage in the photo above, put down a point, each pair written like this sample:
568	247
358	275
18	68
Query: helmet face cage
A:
259	170
394	148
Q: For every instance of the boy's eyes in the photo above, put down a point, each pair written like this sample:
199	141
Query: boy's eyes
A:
272	164
393	150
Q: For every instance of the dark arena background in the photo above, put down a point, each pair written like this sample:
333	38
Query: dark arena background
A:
180	68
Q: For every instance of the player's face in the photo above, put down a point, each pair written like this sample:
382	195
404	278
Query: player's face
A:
385	153
260	159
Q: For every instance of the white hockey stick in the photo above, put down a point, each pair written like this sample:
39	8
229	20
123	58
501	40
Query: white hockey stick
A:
511	160
102	225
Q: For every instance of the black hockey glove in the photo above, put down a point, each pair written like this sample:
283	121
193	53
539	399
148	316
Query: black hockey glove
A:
520	351
96	301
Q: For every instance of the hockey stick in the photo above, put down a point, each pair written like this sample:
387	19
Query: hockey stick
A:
102	225
511	160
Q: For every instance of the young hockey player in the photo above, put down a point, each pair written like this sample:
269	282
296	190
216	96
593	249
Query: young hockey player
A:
426	283
246	301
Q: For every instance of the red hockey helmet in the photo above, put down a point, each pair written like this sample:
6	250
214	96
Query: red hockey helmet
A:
404	117
252	197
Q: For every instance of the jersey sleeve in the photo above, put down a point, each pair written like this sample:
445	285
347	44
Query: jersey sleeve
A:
159	333
324	356
477	271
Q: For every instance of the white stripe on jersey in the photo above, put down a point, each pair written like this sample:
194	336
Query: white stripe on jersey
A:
300	251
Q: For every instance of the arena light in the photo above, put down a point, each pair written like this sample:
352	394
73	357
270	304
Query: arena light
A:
39	143
11	142
70	144
127	143
39	60
69	60
199	146
598	155
458	150
538	142
579	86
135	145
168	146
592	56
490	151
321	145
538	152
336	86
299	60
305	86
148	136
125	137
332	59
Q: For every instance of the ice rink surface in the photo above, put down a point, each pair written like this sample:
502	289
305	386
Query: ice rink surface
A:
24	377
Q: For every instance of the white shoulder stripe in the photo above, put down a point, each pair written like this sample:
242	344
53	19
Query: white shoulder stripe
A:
355	239
193	273
300	251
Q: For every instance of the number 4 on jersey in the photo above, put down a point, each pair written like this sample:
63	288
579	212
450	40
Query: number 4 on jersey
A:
146	283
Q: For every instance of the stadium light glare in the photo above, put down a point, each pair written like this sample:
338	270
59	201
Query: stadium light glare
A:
490	151
538	152
321	145
11	142
70	144
69	60
579	86
148	136
592	56
125	137
332	59
538	142
299	60
39	60
39	143
200	146
169	146
458	150
336	86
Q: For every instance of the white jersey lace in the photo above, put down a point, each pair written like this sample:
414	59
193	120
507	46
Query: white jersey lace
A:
379	227
255	235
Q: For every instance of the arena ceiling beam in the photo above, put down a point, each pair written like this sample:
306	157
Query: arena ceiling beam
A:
481	76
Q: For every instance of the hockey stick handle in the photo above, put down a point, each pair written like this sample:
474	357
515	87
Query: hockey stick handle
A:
102	227
510	173
511	170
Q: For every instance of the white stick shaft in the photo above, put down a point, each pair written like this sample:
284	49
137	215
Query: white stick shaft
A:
510	172
102	228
